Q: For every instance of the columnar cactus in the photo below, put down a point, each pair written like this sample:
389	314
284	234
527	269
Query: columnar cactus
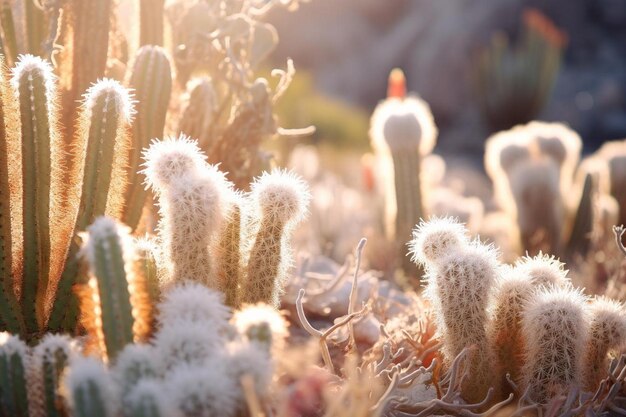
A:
280	200
198	115
543	271
459	278
14	357
555	328
146	399
100	161
402	132
607	334
227	251
42	188
49	360
9	36
119	313
532	169
151	80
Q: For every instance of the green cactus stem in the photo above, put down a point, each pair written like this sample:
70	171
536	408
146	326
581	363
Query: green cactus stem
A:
228	265
10	313
151	79
13	366
100	163
90	387
108	255
34	85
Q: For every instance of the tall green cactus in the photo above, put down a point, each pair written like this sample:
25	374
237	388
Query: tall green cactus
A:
108	259
151	79
10	314
100	162
35	88
13	366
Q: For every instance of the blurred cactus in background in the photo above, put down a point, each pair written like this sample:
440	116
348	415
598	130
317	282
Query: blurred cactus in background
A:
402	132
513	83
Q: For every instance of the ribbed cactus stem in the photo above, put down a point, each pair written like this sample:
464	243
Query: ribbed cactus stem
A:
13	367
555	328
460	286
281	200
90	389
151	22
34	84
110	259
149	292
607	334
100	161
135	363
227	253
10	196
151	80
48	363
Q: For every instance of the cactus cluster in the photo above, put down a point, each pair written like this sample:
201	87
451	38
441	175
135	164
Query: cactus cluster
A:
193	366
213	234
543	335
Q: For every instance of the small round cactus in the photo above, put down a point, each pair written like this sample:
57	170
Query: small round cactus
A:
435	238
543	270
607	334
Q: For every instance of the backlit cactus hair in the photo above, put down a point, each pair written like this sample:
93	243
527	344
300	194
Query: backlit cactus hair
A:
192	196
280	200
543	270
607	334
14	364
402	132
555	328
532	169
460	276
612	154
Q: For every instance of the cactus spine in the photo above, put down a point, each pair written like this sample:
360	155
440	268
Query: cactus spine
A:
100	160
228	254
10	200
90	389
151	80
34	85
13	367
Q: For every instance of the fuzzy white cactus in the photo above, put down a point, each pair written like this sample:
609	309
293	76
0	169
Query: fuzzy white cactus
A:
435	238
607	334
555	328
543	270
91	391
281	201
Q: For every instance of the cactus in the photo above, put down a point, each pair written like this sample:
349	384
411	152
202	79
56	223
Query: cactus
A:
10	199
151	22
281	200
580	236
34	27
14	356
532	169
91	389
151	79
227	252
7	27
100	159
514	83
48	363
147	400
402	132
543	271
607	334
197	119
41	151
555	327
459	284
